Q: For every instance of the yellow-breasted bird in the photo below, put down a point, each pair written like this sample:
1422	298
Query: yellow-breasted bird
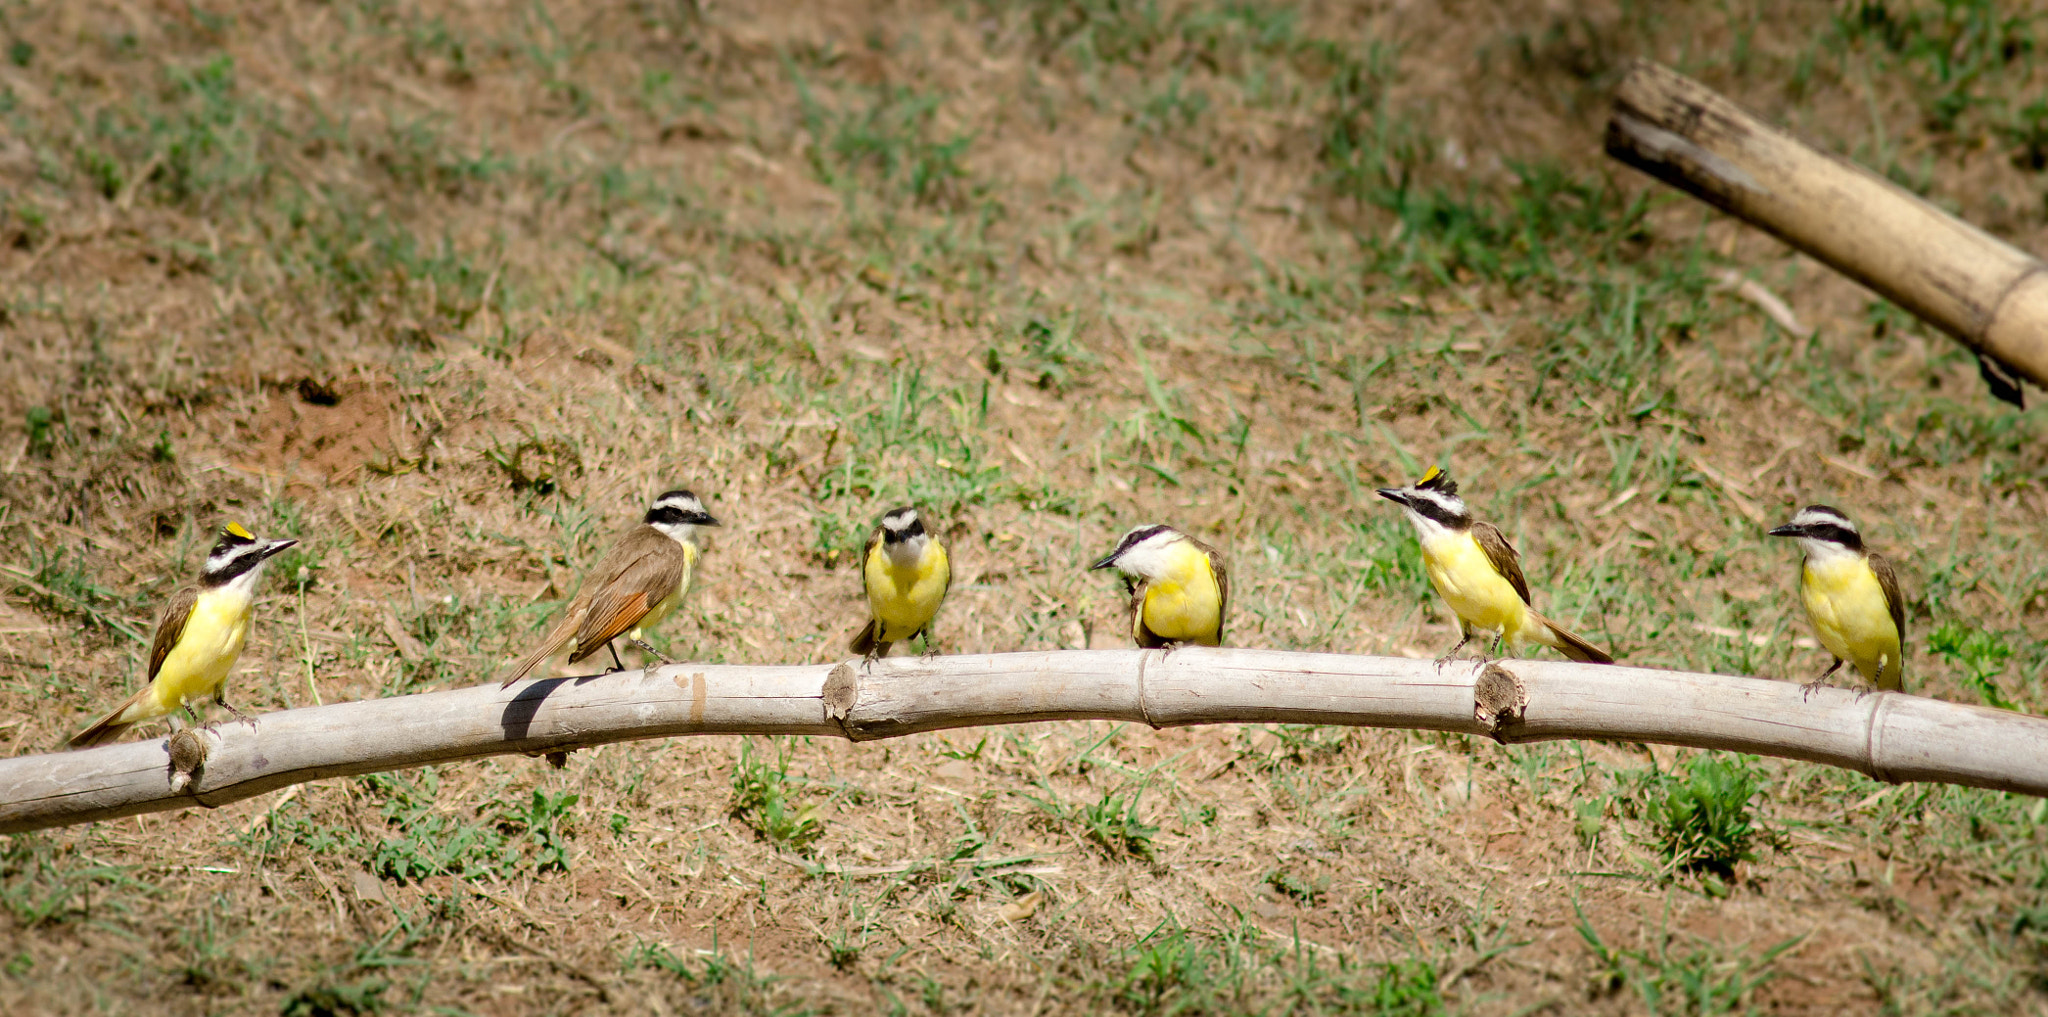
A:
634	586
1852	597
906	574
1178	585
199	638
1478	573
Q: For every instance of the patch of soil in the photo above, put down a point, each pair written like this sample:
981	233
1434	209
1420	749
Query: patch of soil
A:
331	430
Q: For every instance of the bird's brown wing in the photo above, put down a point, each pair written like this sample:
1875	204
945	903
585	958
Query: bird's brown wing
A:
610	614
171	627
941	548
557	638
865	640
168	630
1222	575
1888	581
874	544
641	572
1503	556
867	552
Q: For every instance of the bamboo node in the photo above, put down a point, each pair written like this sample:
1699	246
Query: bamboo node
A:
1873	738
188	753
842	689
1498	700
1145	699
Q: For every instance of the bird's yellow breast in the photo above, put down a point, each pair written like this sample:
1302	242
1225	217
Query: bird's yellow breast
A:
1852	618
1465	577
665	606
905	596
1182	603
206	650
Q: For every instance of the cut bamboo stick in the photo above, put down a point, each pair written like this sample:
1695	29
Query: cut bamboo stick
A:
1986	293
1889	736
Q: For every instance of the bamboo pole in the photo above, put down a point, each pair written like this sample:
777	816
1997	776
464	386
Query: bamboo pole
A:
1889	736
1986	293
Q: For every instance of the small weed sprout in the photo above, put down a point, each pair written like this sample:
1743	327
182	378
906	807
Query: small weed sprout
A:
1981	655
760	799
1306	892
502	842
1114	825
1701	816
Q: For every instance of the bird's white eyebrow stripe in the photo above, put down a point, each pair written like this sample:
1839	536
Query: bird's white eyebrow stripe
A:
1435	506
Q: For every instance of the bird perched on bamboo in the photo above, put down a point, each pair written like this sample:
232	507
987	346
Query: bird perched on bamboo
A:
1852	597
634	586
906	574
199	638
1478	573
1179	587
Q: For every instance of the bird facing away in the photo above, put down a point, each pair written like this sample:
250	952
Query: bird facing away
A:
906	574
1852	597
1478	573
632	588
199	638
1179	588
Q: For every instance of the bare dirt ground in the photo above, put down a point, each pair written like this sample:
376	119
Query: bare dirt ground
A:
449	292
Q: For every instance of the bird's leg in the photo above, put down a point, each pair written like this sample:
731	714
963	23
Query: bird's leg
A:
1452	653
239	715
876	652
617	664
647	647
930	649
1822	681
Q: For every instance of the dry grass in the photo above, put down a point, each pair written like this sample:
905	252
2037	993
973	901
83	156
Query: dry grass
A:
450	292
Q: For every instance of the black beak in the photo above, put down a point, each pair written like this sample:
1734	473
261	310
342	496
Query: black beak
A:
1394	494
1108	561
1789	530
276	546
706	520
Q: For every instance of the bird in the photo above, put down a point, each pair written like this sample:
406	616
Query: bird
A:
198	639
1852	597
906	574
1478	573
1179	587
632	588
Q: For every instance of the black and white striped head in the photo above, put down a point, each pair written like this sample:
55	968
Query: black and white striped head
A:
902	526
903	534
677	515
1433	504
1822	531
1145	552
239	556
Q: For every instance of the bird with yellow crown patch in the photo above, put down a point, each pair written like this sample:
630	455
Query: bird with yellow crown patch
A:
1178	586
1478	573
199	638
